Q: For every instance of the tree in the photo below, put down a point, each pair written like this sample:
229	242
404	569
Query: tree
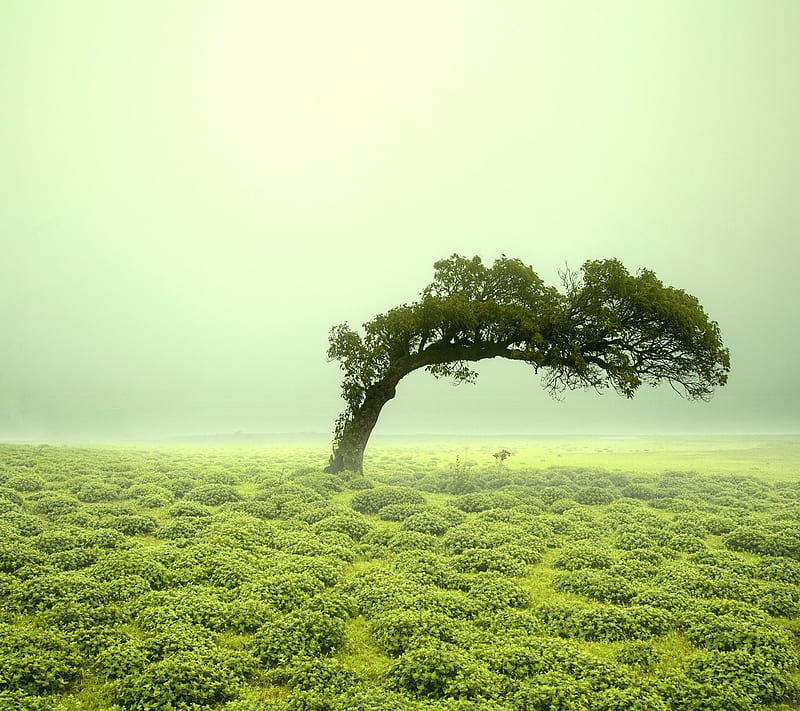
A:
606	328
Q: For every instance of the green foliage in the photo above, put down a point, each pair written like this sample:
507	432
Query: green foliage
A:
596	584
584	555
36	661
750	675
212	494
124	563
441	670
426	522
301	633
370	501
400	630
186	680
608	329
499	605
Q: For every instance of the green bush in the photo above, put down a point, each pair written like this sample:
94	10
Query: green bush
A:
44	591
370	501
187	680
426	522
584	555
596	584
301	633
323	675
400	630
188	606
684	694
494	592
212	494
749	675
779	569
779	599
553	691
53	505
355	528
121	659
36	661
440	671
130	524
123	563
639	655
25	483
16	554
478	560
412	541
399	512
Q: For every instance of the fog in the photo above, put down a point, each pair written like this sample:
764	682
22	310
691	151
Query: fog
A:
194	193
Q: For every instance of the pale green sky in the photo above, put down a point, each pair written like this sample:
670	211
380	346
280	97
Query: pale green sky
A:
193	192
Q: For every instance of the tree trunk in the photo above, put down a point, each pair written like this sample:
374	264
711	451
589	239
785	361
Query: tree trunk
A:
348	452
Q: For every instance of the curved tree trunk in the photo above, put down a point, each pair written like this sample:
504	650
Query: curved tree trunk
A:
348	452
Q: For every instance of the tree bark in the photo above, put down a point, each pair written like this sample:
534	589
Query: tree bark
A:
348	452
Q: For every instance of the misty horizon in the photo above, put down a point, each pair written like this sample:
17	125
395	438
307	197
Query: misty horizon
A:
182	226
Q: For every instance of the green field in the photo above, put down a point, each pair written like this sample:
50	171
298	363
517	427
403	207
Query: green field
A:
642	573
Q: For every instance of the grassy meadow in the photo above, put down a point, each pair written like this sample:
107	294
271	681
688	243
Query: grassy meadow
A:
577	573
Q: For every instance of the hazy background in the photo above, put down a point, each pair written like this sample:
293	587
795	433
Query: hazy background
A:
192	192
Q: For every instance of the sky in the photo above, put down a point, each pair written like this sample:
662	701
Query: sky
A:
192	192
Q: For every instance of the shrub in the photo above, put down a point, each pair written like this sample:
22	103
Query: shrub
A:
399	630
595	495
639	655
16	554
120	660
184	527
74	559
426	522
739	628
25	483
323	675
494	592
45	591
370	501
188	606
596	584
93	492
412	541
183	681
302	633
750	539
399	512
477	560
130	524
610	623
685	694
123	563
584	555
212	494
36	661
439	671
22	524
353	527
553	691
747	674
108	538
478	534
54	505
779	599
779	569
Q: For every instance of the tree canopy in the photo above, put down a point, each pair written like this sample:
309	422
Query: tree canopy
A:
605	328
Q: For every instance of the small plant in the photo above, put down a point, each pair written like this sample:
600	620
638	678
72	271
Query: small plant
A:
500	457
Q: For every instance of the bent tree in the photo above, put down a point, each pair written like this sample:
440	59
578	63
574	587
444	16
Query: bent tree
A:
605	328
